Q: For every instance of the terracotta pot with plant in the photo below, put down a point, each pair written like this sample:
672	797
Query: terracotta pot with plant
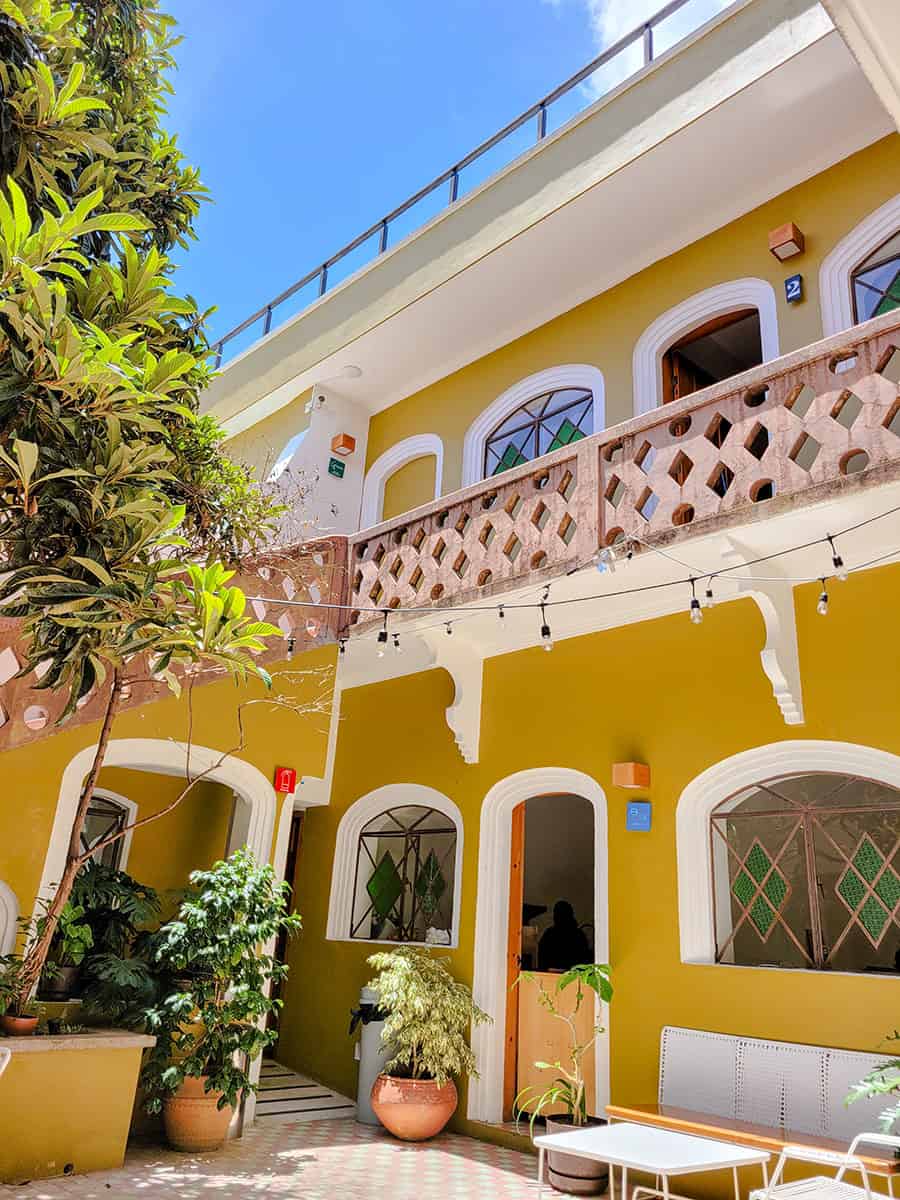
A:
19	1014
429	1015
211	1030
577	1176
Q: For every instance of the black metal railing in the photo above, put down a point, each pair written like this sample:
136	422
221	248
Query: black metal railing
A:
642	33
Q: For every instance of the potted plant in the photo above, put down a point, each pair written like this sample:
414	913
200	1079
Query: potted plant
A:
578	1176
883	1080
429	1015
71	942
19	1014
212	1027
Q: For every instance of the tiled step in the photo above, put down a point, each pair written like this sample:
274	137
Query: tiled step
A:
286	1096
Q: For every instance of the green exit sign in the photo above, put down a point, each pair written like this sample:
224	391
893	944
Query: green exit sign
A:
336	468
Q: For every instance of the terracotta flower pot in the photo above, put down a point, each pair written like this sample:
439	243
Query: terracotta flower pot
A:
413	1109
566	1172
192	1118
18	1026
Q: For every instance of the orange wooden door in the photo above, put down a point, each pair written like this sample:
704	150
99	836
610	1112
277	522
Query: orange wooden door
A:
513	959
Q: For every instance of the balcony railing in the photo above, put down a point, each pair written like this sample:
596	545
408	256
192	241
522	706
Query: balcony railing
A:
798	428
376	239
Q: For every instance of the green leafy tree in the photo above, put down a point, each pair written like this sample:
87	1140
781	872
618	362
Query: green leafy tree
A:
429	1015
113	487
883	1080
214	1024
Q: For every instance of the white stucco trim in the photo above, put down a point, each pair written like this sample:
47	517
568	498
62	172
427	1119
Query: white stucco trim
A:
678	321
161	757
568	375
492	915
695	896
357	816
131	809
9	917
419	445
834	274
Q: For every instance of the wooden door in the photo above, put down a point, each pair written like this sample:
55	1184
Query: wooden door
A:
513	959
545	1038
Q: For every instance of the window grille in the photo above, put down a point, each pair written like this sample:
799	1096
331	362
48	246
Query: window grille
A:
405	876
538	427
876	281
806	873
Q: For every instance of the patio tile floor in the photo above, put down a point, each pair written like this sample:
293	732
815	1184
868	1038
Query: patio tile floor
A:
315	1160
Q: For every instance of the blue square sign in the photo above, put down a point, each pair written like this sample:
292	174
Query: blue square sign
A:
793	289
637	816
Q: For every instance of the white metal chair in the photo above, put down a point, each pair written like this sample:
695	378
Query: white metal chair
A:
823	1187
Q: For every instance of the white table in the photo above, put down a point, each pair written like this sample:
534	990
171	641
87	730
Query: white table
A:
659	1152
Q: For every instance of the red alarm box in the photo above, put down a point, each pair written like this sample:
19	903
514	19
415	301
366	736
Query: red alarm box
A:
285	779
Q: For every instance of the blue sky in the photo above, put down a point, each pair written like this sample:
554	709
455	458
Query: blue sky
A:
310	120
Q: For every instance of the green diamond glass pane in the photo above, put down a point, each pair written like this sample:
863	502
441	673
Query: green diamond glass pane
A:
743	887
758	862
512	456
775	889
868	859
384	886
888	888
762	916
851	888
873	918
430	884
565	435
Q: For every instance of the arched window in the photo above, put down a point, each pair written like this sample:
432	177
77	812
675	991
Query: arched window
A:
806	873
711	352
405	877
875	283
108	814
539	426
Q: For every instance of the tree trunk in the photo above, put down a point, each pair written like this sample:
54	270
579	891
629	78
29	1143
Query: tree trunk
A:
36	953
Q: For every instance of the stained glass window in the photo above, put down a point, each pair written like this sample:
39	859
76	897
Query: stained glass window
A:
539	426
876	281
405	877
806	873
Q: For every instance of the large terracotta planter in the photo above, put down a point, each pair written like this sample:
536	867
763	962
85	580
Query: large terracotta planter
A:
192	1118
413	1109
18	1026
566	1172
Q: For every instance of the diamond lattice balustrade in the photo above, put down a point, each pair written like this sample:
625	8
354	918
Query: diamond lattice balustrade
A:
315	572
815	421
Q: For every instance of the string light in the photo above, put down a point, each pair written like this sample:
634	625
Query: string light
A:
449	625
546	635
291	644
708	598
382	637
695	610
397	647
606	561
501	614
822	605
837	562
342	646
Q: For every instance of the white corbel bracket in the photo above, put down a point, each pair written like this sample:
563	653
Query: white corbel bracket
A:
779	656
464	662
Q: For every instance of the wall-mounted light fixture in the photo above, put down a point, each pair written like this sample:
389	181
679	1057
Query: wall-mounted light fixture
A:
786	241
631	775
343	443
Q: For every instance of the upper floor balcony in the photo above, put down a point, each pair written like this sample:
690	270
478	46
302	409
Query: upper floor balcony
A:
813	427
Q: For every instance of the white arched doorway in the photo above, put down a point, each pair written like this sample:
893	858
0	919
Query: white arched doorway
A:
492	917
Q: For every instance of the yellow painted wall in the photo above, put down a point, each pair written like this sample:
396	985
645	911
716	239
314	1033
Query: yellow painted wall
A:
261	445
411	485
31	775
602	332
665	692
191	837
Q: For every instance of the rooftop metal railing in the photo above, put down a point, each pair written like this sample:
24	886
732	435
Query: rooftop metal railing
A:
538	112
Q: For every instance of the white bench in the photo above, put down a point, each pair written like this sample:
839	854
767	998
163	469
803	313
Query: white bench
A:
761	1092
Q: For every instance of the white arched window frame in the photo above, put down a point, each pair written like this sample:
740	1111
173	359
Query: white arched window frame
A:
696	901
129	810
835	291
352	824
9	918
677	323
421	445
571	375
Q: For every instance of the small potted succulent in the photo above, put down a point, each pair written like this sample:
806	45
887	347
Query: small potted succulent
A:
429	1016
212	1027
577	1176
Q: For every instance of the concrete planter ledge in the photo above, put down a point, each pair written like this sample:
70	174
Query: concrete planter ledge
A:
101	1039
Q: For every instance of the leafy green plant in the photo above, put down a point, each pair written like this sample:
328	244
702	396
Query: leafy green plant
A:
590	980
883	1080
14	999
429	1015
73	938
214	1024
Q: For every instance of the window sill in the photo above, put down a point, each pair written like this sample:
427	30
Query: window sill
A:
891	976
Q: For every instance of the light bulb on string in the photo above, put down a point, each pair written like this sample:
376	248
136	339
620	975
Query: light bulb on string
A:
822	605
837	562
695	610
291	644
606	561
398	649
708	597
382	637
546	635
501	616
342	646
449	625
